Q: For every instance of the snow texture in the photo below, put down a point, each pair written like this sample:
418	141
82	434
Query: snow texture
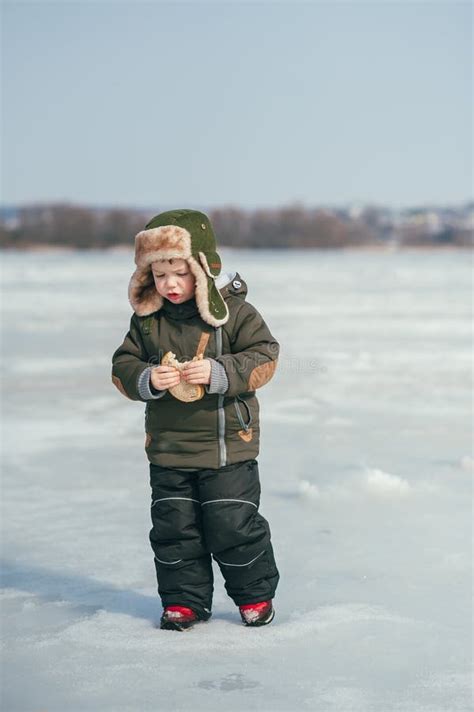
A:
366	473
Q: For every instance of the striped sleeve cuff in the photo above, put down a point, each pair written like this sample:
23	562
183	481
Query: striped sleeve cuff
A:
219	381
144	386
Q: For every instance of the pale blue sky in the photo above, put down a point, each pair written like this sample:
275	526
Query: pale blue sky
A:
253	104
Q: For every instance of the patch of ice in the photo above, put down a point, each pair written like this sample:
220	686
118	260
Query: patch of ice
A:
289	418
307	489
363	361
339	422
293	410
457	561
45	365
42	327
382	483
340	614
467	463
14	593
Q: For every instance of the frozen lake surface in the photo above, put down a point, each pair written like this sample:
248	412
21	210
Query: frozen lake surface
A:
366	476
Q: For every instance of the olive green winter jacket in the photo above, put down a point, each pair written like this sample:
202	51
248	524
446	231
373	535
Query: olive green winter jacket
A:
221	428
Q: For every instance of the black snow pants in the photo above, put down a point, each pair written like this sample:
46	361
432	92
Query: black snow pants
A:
203	512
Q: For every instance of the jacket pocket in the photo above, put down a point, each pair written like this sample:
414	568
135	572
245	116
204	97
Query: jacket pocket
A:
242	422
244	415
246	419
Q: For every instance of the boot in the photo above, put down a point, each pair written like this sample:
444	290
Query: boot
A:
257	613
178	618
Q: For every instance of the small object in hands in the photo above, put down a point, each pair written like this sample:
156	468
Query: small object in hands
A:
255	614
186	392
178	618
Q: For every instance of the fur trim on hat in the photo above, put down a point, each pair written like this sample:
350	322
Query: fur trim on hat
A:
205	265
166	243
162	243
142	293
201	293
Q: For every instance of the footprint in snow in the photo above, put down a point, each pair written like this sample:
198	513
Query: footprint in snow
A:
234	681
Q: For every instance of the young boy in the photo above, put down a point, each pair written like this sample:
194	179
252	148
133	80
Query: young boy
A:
196	352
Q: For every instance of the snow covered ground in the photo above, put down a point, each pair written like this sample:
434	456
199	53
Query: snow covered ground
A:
366	475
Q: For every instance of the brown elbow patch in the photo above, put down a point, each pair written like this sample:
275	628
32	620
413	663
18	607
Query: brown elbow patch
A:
118	384
148	440
261	374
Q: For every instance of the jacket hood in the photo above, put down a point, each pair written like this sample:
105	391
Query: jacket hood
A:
231	284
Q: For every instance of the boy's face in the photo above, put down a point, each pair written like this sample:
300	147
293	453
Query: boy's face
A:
173	280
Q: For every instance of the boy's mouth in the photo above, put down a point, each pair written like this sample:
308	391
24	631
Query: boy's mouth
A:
172	295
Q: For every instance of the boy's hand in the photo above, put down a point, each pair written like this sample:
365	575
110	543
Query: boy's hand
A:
163	377
198	371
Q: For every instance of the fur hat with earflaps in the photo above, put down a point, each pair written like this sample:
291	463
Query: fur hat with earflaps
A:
178	234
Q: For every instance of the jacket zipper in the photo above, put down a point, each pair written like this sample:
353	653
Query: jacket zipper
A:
220	409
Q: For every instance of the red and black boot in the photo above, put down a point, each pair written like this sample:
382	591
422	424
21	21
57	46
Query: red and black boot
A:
255	614
178	618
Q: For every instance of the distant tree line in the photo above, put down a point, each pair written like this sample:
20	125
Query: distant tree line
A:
287	227
70	226
293	226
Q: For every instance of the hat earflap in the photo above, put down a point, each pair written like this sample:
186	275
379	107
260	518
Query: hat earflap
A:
142	293
210	303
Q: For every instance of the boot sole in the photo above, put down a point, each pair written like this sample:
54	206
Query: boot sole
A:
174	625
